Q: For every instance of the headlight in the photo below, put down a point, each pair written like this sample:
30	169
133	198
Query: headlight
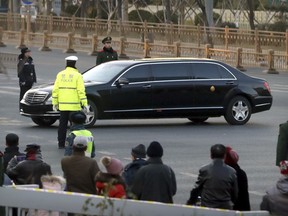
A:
49	101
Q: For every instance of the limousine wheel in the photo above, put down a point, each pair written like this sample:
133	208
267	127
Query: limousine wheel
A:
238	111
198	120
44	121
92	114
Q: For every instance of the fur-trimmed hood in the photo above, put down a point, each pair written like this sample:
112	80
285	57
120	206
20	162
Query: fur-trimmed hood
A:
53	182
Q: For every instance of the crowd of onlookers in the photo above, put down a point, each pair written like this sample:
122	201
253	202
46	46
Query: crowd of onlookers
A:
220	184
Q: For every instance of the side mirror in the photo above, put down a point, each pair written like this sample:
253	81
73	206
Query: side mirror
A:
122	81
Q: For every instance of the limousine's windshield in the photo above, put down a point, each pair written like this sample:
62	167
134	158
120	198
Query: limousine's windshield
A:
103	73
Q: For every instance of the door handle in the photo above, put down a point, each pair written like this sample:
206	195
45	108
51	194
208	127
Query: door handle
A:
230	82
147	86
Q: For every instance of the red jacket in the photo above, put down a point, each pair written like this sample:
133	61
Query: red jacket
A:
110	185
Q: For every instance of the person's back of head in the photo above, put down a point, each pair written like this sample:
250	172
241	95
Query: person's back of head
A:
12	140
218	151
139	151
78	117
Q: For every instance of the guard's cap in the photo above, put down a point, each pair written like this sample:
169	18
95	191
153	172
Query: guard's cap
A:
25	50
107	39
71	58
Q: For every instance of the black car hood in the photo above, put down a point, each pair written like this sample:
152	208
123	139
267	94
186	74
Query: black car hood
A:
47	87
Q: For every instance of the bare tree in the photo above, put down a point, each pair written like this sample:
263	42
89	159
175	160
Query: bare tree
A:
251	15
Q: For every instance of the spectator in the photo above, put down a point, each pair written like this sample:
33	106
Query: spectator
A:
155	181
242	202
1	169
276	199
30	170
282	143
50	182
107	53
26	71
111	184
2	208
80	170
68	95
77	129
12	149
138	155
216	183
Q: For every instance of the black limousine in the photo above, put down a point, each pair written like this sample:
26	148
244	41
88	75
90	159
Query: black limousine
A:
191	88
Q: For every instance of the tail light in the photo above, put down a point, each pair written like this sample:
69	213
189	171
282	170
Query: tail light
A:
266	85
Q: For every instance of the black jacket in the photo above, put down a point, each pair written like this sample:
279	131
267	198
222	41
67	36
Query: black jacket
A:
217	186
26	71
106	55
155	182
242	203
28	171
9	153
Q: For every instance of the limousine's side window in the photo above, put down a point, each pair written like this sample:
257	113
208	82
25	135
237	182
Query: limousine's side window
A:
170	71
139	73
203	70
225	74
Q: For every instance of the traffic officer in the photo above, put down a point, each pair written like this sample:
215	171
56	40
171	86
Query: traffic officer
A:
68	95
107	53
78	130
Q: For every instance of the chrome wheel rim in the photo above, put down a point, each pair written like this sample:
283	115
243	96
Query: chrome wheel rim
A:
89	115
240	111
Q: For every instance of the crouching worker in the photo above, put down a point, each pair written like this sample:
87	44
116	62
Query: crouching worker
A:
78	120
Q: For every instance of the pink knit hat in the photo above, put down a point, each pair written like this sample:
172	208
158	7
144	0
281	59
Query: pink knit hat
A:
112	165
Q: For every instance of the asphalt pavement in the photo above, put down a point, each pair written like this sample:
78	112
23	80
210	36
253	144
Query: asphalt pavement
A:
186	145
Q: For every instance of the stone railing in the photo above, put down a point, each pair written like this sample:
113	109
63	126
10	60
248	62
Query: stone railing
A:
131	48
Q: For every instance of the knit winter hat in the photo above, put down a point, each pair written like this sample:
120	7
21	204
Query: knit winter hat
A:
155	149
284	167
139	151
112	165
231	157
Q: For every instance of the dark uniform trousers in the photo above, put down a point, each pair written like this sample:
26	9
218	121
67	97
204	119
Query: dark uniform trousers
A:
62	129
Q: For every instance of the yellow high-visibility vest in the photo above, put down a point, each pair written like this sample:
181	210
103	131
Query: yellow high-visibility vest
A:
69	90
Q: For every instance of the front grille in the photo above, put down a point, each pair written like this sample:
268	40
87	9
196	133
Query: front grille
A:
36	97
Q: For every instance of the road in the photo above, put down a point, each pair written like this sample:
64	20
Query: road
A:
186	145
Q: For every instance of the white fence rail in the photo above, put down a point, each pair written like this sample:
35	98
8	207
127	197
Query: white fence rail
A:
38	199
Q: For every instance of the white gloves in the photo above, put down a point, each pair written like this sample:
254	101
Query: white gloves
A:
55	108
86	109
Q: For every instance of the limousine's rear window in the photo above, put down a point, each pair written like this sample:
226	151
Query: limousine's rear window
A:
210	71
103	73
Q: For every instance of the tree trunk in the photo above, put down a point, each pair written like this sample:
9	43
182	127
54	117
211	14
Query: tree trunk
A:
205	20
251	15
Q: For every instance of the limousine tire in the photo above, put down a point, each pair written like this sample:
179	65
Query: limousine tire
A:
92	114
44	121
238	111
198	120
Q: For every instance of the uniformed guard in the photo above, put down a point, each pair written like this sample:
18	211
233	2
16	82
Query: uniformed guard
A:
26	71
78	130
68	96
107	53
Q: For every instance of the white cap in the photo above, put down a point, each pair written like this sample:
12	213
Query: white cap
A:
71	58
80	142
